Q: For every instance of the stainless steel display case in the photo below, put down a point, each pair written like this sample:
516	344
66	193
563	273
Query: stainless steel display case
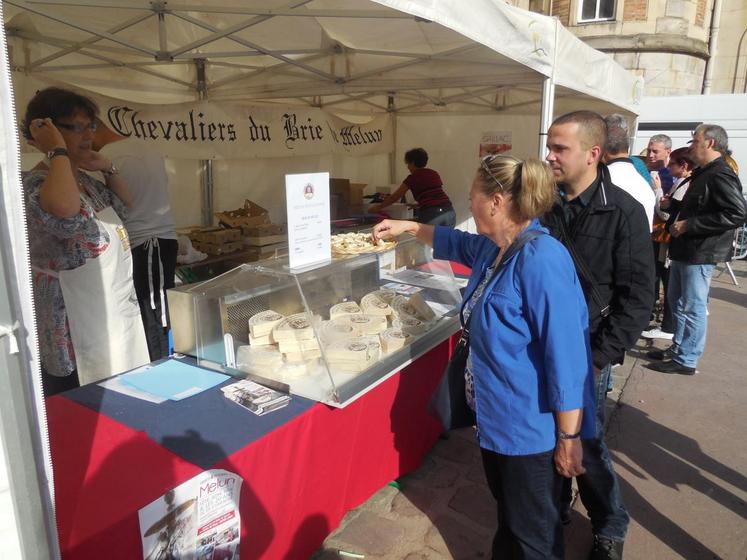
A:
210	320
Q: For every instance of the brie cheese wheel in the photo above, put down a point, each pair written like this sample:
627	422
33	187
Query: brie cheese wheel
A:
261	340
403	307
424	310
393	339
353	356
295	346
368	324
340	328
261	324
376	304
410	325
257	358
304	356
294	327
296	370
344	308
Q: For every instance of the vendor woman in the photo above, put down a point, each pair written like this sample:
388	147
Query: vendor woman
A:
87	313
433	204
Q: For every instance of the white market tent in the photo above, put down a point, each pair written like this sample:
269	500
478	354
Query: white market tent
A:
470	67
440	73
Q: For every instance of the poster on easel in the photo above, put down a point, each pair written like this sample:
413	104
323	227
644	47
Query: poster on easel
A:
197	520
494	143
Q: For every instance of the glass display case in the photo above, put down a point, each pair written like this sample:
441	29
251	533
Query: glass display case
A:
328	333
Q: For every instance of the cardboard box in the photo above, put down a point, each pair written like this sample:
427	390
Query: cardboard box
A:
216	236
249	216
348	195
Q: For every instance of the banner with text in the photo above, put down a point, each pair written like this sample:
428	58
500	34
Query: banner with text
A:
206	130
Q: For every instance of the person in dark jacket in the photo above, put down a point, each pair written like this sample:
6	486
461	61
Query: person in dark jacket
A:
607	233
702	231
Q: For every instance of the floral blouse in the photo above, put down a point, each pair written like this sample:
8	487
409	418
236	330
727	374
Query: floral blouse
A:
62	244
469	385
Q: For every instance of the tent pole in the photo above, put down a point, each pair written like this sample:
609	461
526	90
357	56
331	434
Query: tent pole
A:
393	155
634	133
548	101
207	164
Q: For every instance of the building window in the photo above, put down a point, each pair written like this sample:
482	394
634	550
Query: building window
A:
596	10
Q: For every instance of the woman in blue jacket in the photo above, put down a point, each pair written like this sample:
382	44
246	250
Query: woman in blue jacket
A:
529	372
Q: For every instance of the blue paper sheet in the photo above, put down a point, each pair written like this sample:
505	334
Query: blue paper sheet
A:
174	380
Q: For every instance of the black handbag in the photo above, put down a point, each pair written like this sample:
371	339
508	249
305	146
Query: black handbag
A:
449	401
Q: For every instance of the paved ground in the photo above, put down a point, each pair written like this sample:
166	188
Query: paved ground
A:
679	447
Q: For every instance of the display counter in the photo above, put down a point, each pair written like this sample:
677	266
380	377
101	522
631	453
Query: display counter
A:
328	333
303	466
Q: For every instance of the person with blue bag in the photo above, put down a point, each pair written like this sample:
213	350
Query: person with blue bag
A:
527	375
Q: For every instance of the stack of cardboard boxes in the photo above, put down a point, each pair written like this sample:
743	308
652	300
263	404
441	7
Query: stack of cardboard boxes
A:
346	198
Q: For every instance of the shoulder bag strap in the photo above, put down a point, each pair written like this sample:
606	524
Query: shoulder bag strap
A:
525	237
581	268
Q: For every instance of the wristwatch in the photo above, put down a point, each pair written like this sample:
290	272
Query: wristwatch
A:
57	152
566	435
111	171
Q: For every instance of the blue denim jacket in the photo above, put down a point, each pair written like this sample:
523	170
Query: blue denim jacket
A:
529	341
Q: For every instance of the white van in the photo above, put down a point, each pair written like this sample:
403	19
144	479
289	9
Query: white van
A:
678	116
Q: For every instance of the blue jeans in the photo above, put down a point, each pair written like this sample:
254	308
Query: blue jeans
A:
598	486
688	299
436	216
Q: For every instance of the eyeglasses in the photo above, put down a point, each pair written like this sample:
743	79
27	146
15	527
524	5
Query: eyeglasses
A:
484	162
77	127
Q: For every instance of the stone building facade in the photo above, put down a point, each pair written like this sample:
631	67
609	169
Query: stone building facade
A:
674	44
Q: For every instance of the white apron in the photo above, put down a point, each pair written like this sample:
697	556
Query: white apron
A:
102	309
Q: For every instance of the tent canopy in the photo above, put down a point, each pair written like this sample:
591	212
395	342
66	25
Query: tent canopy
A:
350	56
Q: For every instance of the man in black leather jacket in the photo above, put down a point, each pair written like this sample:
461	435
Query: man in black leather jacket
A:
607	233
702	229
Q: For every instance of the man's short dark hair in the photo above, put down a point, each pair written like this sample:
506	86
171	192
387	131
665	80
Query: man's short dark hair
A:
56	103
417	156
591	125
717	134
617	134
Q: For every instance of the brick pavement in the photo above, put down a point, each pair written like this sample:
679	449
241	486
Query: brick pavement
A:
677	442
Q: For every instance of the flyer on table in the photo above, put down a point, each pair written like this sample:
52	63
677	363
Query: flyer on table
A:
307	197
197	519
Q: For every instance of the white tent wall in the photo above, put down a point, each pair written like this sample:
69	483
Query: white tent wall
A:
262	180
453	142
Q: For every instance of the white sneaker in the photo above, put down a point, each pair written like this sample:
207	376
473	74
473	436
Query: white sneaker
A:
657	333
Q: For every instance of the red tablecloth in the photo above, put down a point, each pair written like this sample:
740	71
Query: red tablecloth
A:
299	479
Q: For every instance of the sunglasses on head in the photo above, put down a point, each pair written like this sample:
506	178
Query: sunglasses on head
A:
484	163
77	127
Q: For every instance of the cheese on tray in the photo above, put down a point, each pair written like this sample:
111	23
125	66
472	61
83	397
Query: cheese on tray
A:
376	303
261	324
344	308
294	327
290	346
261	340
393	339
368	324
424	310
339	328
258	358
303	356
353	356
410	325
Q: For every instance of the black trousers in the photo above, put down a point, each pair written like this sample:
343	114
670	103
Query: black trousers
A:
53	384
527	489
165	251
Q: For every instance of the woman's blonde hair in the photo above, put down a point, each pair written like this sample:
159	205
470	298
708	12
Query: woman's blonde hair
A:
529	183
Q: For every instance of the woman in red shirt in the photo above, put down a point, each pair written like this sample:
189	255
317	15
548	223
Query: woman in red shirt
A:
433	204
